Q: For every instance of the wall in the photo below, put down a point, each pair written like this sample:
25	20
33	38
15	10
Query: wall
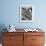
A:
10	13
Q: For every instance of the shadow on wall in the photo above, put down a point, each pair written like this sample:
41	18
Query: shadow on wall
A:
2	26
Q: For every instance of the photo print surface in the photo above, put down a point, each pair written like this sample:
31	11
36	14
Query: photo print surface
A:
26	13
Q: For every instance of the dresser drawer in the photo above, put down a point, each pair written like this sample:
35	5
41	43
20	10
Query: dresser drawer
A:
37	39
13	44
37	44
13	33
34	33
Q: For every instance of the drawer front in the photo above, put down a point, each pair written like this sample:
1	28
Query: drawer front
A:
34	33
37	45
37	39
13	33
12	44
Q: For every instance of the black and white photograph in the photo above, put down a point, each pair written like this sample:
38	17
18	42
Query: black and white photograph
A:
26	13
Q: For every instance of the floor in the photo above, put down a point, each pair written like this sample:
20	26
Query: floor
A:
0	44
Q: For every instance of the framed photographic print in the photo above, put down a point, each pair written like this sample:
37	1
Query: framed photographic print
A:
26	13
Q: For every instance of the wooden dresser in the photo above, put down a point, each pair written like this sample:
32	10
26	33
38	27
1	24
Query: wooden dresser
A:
23	38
